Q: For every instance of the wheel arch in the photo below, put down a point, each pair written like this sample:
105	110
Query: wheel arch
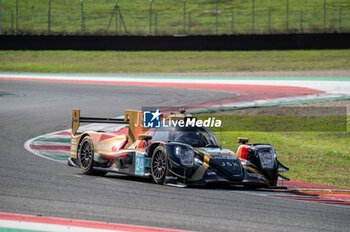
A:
82	136
153	146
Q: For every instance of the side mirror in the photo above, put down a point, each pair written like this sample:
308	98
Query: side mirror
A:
145	137
242	140
222	144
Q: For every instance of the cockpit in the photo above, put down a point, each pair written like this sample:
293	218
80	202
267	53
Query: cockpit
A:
194	136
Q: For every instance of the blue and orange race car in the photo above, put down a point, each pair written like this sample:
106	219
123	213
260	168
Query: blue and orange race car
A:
172	155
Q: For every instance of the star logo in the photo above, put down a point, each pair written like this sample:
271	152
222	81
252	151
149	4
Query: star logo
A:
151	119
156	115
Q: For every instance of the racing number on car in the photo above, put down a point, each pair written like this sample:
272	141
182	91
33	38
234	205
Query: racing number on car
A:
140	165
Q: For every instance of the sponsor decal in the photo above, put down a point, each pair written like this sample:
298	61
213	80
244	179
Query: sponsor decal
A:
223	157
254	175
148	162
171	178
234	165
192	122
102	147
151	119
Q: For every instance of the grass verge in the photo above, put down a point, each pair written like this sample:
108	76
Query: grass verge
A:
156	61
177	16
316	157
319	155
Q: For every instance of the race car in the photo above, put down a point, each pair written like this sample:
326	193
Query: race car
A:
171	155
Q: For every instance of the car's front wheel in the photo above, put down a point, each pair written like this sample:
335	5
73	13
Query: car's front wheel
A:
159	166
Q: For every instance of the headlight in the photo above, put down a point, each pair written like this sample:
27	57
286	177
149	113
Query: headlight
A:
185	154
267	158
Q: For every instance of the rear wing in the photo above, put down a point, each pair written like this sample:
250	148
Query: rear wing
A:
133	118
76	120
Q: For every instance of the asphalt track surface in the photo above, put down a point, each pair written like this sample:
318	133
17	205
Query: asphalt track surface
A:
37	186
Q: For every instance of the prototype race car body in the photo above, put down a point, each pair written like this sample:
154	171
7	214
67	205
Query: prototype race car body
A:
181	156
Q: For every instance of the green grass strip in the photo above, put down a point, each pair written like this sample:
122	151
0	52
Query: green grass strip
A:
268	105
278	123
4	229
158	77
316	157
57	140
314	148
57	157
108	62
234	17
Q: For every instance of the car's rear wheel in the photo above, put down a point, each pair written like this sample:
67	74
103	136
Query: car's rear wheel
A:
159	166
86	157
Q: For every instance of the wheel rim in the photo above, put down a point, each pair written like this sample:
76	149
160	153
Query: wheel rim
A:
85	155
159	164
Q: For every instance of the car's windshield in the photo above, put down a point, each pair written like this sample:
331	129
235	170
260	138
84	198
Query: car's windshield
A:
194	136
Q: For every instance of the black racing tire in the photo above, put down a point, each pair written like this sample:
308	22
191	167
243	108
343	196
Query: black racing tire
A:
159	165
86	157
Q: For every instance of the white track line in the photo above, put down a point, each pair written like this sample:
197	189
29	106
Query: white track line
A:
342	87
7	224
